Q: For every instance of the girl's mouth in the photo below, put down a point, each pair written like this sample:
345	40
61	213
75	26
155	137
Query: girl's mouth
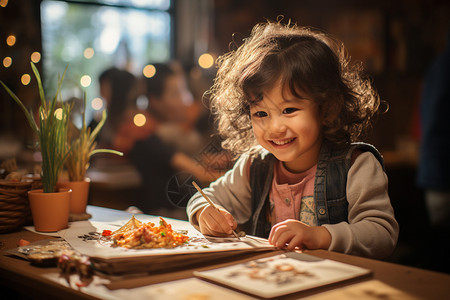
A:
282	142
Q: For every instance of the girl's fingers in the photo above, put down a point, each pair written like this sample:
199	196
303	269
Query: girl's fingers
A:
219	223
277	229
231	221
284	238
211	227
213	221
276	232
296	242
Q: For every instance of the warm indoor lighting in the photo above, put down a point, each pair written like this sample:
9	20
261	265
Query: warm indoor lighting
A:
25	79
11	40
35	57
88	53
149	71
97	103
139	120
206	61
85	80
59	113
7	62
3	3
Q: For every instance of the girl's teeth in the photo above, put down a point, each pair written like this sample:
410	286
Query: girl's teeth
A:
280	143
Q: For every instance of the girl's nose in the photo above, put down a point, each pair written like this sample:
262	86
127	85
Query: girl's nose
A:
277	125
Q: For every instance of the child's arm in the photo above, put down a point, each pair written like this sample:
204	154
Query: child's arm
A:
291	234
372	230
231	192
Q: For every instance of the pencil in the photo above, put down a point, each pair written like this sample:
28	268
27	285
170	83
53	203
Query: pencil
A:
210	202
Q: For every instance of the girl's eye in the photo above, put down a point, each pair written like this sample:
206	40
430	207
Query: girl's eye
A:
260	114
289	110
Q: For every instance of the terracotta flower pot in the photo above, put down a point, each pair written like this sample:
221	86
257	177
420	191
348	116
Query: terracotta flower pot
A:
80	193
50	211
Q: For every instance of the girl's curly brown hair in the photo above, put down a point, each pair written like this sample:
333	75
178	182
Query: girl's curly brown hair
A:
305	59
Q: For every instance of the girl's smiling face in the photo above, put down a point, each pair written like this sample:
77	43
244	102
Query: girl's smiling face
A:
288	127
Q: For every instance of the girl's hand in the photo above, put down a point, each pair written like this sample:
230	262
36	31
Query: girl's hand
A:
291	234
215	221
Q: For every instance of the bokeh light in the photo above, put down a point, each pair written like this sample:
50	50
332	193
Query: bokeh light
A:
85	80
97	103
206	61
35	57
25	79
59	113
7	62
149	71
142	102
139	120
88	53
3	3
11	40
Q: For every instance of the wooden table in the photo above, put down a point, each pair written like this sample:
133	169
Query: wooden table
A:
44	283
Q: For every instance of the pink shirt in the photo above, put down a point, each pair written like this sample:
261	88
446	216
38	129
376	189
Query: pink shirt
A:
292	195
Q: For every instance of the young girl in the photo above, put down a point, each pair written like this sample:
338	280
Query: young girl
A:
288	101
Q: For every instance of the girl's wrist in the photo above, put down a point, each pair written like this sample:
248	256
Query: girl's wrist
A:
323	238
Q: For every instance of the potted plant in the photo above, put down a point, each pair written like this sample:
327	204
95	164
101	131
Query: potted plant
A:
49	206
82	147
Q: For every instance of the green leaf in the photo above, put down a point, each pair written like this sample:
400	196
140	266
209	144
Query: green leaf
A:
106	151
97	128
83	147
41	88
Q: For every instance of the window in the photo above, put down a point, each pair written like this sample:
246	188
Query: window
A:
91	36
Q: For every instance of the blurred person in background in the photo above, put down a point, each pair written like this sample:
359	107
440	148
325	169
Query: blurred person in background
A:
117	88
163	145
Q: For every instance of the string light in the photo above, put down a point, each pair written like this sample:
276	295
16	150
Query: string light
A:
35	57
7	62
139	120
85	80
97	104
149	71
25	79
88	53
206	61
11	40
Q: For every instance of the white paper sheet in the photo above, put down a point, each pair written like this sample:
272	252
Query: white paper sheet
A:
197	242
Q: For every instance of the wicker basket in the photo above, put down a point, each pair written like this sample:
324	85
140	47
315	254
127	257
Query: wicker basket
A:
14	207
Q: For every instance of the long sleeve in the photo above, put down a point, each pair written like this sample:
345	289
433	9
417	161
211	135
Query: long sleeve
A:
231	191
371	230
